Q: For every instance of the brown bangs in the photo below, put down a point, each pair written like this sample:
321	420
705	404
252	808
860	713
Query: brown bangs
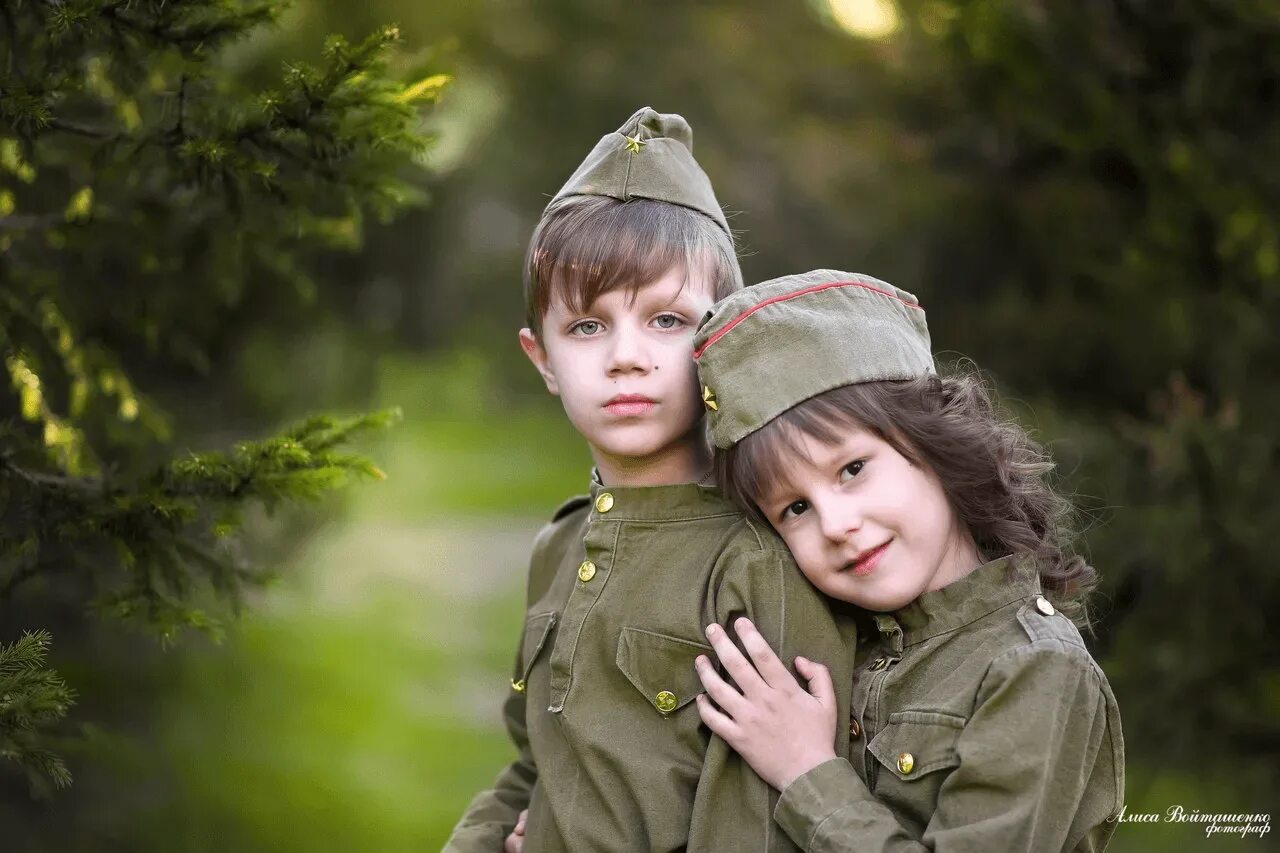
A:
587	246
759	463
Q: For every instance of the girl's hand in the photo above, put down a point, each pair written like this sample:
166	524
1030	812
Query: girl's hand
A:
781	729
515	841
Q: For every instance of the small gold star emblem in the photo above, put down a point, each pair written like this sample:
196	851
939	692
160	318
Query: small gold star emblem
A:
634	143
709	398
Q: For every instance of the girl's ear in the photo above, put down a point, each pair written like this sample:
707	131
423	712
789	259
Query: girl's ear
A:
538	355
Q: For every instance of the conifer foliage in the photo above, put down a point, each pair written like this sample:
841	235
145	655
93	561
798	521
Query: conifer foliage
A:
145	193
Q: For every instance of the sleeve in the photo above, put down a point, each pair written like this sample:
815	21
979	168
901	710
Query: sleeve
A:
733	807
1040	769
492	814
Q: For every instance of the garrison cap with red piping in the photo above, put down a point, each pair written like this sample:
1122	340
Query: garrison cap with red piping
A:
773	345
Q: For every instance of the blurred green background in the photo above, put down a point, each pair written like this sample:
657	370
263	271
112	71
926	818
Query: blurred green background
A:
1086	198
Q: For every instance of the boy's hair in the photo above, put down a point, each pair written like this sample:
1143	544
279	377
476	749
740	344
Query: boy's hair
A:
995	476
589	245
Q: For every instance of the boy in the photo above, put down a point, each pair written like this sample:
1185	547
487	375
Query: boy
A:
629	255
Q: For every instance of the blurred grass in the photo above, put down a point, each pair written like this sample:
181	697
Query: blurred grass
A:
357	707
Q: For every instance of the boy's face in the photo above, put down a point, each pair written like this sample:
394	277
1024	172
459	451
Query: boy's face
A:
624	367
865	525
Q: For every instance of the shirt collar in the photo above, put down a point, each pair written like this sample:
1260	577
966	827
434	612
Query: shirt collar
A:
986	589
679	502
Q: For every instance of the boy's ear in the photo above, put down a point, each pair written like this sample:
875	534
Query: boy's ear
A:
538	355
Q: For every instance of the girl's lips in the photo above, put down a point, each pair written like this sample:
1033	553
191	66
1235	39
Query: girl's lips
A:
867	563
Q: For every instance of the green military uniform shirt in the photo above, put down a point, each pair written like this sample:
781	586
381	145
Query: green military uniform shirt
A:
979	723
613	753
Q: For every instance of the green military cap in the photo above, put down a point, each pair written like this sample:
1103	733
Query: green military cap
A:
650	156
768	347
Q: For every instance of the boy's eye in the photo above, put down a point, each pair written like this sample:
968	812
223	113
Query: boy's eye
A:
851	470
586	328
667	321
794	509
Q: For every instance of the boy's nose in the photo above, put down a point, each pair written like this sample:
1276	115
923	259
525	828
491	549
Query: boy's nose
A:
629	353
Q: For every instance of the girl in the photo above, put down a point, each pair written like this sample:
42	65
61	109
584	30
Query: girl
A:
979	721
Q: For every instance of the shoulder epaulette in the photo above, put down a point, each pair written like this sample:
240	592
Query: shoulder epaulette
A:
1042	621
574	503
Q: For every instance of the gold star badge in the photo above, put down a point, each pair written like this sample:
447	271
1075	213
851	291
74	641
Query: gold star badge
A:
634	143
709	398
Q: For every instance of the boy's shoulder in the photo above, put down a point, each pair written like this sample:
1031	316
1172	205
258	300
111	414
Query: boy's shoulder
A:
554	541
569	507
747	536
565	524
750	552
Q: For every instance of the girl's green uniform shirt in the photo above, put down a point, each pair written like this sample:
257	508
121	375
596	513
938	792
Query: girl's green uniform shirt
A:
613	753
979	722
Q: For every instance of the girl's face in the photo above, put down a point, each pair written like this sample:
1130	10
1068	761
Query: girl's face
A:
866	525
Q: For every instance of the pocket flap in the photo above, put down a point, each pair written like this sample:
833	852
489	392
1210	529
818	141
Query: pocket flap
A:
661	667
914	743
536	630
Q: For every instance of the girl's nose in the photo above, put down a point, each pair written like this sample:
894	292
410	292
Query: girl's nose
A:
839	518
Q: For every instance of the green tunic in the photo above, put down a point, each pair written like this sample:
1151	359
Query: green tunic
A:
613	754
979	723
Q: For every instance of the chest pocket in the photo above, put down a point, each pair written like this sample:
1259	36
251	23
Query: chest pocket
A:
915	744
661	667
536	631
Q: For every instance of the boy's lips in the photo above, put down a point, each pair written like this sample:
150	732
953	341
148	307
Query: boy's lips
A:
867	561
629	405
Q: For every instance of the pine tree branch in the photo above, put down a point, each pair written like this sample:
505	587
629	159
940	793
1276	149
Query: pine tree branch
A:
47	481
82	129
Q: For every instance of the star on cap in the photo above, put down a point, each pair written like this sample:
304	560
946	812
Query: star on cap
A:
634	143
709	398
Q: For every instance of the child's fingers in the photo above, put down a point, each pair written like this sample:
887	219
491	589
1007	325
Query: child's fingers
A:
520	821
770	668
735	664
819	678
719	689
716	720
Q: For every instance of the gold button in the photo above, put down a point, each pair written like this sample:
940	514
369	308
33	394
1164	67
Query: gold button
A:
604	502
879	664
855	730
1043	605
666	701
906	762
586	571
517	686
709	398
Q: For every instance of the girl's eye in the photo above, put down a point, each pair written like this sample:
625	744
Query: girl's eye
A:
851	470
585	328
794	509
667	321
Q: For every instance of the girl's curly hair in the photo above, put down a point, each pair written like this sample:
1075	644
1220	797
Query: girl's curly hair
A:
995	476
